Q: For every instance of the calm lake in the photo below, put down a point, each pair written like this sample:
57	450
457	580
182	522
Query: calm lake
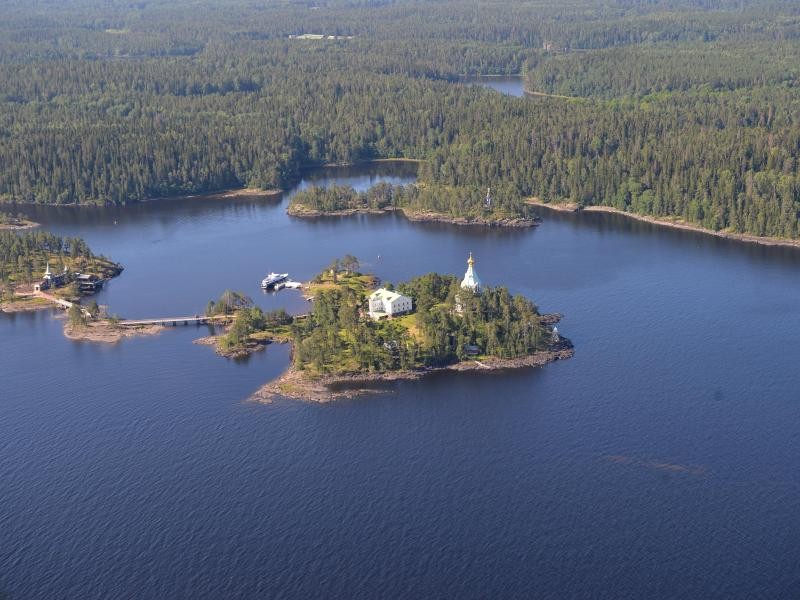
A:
510	85
660	462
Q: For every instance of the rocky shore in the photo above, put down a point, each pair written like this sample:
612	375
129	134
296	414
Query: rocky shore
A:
229	194
24	304
674	223
107	332
432	217
237	352
297	210
297	385
19	227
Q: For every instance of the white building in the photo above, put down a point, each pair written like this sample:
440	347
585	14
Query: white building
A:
385	303
471	280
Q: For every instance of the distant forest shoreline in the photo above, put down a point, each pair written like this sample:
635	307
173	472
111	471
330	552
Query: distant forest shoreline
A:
663	222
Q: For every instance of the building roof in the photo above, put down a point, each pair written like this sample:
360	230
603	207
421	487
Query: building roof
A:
384	294
471	280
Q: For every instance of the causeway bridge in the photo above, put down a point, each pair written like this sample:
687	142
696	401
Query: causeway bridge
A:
192	320
162	321
173	321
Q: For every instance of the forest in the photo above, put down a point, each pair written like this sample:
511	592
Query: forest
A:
679	108
24	257
337	337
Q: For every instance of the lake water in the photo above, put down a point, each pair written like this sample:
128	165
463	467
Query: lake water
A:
510	85
660	462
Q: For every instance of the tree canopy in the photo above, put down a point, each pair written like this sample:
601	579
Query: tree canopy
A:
687	108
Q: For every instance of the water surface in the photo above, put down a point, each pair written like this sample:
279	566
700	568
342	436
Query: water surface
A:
659	462
510	85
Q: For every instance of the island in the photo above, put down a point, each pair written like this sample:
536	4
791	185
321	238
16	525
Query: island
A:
15	221
417	202
358	334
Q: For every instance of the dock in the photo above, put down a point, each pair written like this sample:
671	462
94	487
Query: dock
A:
288	284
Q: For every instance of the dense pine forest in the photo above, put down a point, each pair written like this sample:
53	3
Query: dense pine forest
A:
678	108
338	338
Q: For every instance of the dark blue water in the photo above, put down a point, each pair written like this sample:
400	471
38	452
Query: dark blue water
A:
659	462
511	85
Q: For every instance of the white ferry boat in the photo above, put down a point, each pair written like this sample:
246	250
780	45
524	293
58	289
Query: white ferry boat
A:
272	279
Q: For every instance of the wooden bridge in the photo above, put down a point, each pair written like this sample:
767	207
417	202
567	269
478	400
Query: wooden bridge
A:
59	302
162	321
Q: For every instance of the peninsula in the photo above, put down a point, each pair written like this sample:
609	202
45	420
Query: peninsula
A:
417	202
669	222
39	269
358	335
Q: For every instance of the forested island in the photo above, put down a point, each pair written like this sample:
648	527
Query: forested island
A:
681	110
421	202
343	341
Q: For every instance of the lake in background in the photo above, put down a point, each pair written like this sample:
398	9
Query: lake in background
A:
510	85
660	462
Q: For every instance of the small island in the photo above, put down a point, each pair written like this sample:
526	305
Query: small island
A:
358	334
15	222
417	202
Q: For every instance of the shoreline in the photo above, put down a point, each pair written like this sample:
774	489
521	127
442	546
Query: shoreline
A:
27	225
107	333
293	384
22	304
367	161
302	212
748	238
235	353
226	194
223	194
536	94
